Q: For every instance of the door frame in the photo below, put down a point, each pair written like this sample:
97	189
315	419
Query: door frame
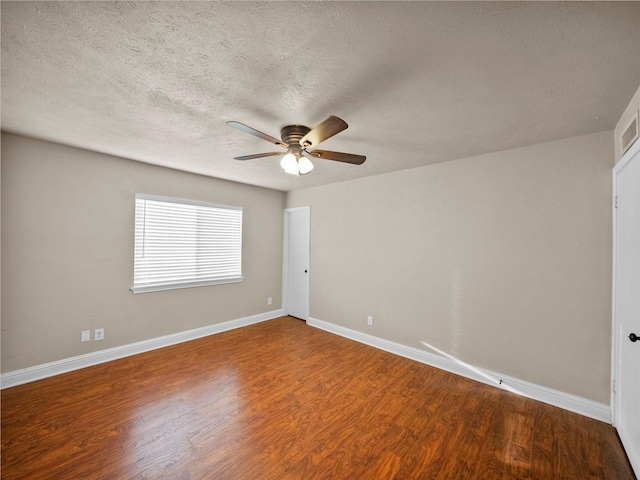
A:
615	324
285	257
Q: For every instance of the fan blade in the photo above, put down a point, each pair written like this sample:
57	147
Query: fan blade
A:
337	156
325	130
259	155
253	131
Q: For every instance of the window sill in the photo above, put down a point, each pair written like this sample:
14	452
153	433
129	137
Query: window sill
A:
174	286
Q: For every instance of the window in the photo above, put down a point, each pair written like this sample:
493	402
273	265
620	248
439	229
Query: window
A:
182	243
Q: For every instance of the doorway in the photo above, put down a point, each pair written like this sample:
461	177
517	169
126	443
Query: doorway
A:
295	264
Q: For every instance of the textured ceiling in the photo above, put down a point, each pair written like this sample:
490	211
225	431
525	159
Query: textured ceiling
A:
418	82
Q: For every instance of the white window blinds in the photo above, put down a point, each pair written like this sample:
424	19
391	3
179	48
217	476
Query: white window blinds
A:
180	243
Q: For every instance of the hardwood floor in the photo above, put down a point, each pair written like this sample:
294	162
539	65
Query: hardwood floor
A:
282	400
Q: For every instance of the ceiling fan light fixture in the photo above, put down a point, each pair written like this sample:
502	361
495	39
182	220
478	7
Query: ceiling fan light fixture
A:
296	164
304	165
290	164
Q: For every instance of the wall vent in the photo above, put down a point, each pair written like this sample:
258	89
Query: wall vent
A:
630	134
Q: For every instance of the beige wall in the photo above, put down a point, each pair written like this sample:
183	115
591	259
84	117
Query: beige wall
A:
502	260
67	253
632	108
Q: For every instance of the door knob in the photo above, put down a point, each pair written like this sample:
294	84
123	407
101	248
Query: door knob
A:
633	337
305	271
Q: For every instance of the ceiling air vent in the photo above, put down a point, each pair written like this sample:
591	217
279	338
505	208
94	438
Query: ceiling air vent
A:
630	133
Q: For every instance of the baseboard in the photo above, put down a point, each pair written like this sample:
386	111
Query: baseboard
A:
38	372
566	401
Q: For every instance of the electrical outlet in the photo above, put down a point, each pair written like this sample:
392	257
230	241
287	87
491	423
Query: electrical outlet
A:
98	334
86	336
269	301
370	320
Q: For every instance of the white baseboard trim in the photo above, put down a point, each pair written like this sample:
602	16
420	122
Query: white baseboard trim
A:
566	401
38	372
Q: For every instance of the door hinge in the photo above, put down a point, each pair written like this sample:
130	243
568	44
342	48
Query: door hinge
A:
613	385
615	202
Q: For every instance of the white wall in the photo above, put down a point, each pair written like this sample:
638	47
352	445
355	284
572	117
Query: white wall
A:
67	253
501	260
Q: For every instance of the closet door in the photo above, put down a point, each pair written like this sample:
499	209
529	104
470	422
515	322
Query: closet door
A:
626	303
297	225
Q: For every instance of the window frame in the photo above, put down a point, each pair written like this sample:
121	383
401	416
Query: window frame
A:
194	282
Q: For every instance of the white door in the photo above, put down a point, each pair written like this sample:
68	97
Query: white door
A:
626	307
297	223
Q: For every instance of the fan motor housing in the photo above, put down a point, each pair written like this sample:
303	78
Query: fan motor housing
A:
292	134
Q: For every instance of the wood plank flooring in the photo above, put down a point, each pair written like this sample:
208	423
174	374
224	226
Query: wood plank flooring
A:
282	400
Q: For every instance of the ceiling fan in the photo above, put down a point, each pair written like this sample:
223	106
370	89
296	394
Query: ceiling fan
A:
298	142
